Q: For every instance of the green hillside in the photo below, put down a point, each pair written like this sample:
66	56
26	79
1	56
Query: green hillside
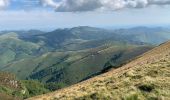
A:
73	66
13	49
11	88
63	57
145	78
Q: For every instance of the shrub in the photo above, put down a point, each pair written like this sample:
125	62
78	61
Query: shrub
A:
34	87
5	90
146	87
52	86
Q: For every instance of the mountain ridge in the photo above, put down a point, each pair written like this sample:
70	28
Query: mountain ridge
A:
64	57
86	89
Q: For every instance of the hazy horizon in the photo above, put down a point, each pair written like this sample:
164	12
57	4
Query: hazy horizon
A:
52	14
102	27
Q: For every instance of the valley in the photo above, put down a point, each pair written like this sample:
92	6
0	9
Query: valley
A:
64	57
84	49
144	78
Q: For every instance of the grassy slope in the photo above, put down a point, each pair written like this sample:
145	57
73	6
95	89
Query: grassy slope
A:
145	78
12	48
7	97
71	67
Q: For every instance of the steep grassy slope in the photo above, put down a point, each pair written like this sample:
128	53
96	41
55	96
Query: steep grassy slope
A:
145	78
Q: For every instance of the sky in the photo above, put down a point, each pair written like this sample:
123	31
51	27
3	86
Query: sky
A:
52	14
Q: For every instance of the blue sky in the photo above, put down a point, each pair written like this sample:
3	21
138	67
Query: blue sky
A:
52	14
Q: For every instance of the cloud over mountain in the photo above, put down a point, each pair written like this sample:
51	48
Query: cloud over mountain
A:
91	5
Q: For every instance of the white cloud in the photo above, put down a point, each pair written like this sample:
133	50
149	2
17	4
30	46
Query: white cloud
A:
45	19
84	5
49	3
4	4
90	5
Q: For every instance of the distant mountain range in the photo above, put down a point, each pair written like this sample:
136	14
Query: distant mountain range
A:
71	55
144	34
77	35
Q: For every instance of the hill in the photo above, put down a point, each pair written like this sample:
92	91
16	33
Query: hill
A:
64	57
60	37
73	66
145	78
12	49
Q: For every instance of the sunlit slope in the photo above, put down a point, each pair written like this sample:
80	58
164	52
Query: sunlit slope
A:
145	78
